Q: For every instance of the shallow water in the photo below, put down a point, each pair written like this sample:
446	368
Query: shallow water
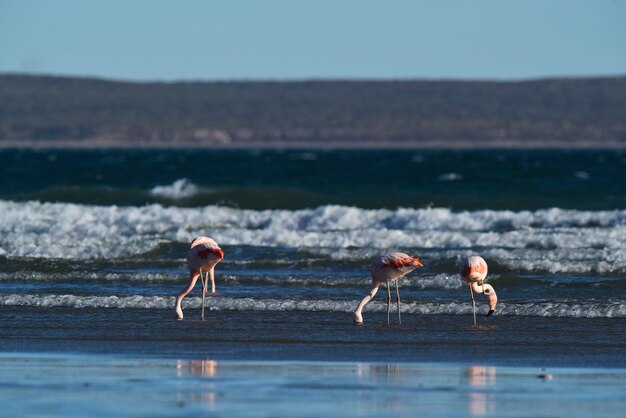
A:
321	336
75	386
91	256
92	246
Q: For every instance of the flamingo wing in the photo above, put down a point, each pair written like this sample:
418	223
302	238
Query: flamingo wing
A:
205	246
400	260
204	240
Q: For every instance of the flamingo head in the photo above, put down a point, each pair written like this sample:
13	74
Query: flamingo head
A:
218	252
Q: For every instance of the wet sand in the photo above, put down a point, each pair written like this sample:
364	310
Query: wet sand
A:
83	385
315	336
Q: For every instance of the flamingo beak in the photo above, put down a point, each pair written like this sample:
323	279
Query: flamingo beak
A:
416	262
220	253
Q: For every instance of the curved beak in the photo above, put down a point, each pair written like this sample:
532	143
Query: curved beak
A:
417	263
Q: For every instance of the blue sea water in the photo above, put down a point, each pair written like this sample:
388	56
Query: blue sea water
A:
92	246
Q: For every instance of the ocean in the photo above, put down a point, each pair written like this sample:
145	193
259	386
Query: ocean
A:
92	247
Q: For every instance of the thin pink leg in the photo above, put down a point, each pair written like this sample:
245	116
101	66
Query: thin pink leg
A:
473	303
398	303
204	286
388	302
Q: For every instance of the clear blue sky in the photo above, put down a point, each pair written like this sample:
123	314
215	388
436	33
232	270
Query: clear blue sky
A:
290	39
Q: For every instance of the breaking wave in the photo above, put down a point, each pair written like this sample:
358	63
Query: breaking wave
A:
553	240
438	281
573	309
180	189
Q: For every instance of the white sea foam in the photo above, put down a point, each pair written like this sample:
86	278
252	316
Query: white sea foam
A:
438	281
553	240
87	276
583	175
180	189
450	177
573	309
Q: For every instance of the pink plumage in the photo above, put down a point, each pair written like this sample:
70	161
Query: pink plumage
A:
398	260
203	255
387	268
393	266
473	269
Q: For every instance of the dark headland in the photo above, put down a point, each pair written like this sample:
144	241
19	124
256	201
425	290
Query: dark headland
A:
46	111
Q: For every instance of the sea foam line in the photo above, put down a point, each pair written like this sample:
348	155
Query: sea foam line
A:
438	281
573	309
554	240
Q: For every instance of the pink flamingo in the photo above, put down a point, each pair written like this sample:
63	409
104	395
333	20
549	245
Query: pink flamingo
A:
474	272
203	255
385	269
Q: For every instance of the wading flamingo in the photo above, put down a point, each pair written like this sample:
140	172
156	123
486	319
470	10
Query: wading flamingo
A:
202	257
474	272
385	269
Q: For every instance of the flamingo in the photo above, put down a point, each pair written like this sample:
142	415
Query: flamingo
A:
474	272
385	269
203	255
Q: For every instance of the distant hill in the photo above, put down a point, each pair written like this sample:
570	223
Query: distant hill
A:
49	111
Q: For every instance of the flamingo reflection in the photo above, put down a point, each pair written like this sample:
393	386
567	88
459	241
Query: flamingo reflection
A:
480	403
202	368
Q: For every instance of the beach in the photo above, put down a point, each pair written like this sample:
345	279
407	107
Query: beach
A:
92	247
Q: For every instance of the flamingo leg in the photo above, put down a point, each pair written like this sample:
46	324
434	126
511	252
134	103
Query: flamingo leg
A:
388	301
473	302
204	286
398	303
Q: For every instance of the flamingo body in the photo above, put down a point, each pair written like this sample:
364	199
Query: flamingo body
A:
203	255
393	266
387	268
474	271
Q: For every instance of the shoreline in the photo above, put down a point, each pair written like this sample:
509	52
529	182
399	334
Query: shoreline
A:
120	356
319	336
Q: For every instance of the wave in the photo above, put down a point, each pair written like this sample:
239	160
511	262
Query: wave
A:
182	193
553	240
572	309
450	177
438	281
180	189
